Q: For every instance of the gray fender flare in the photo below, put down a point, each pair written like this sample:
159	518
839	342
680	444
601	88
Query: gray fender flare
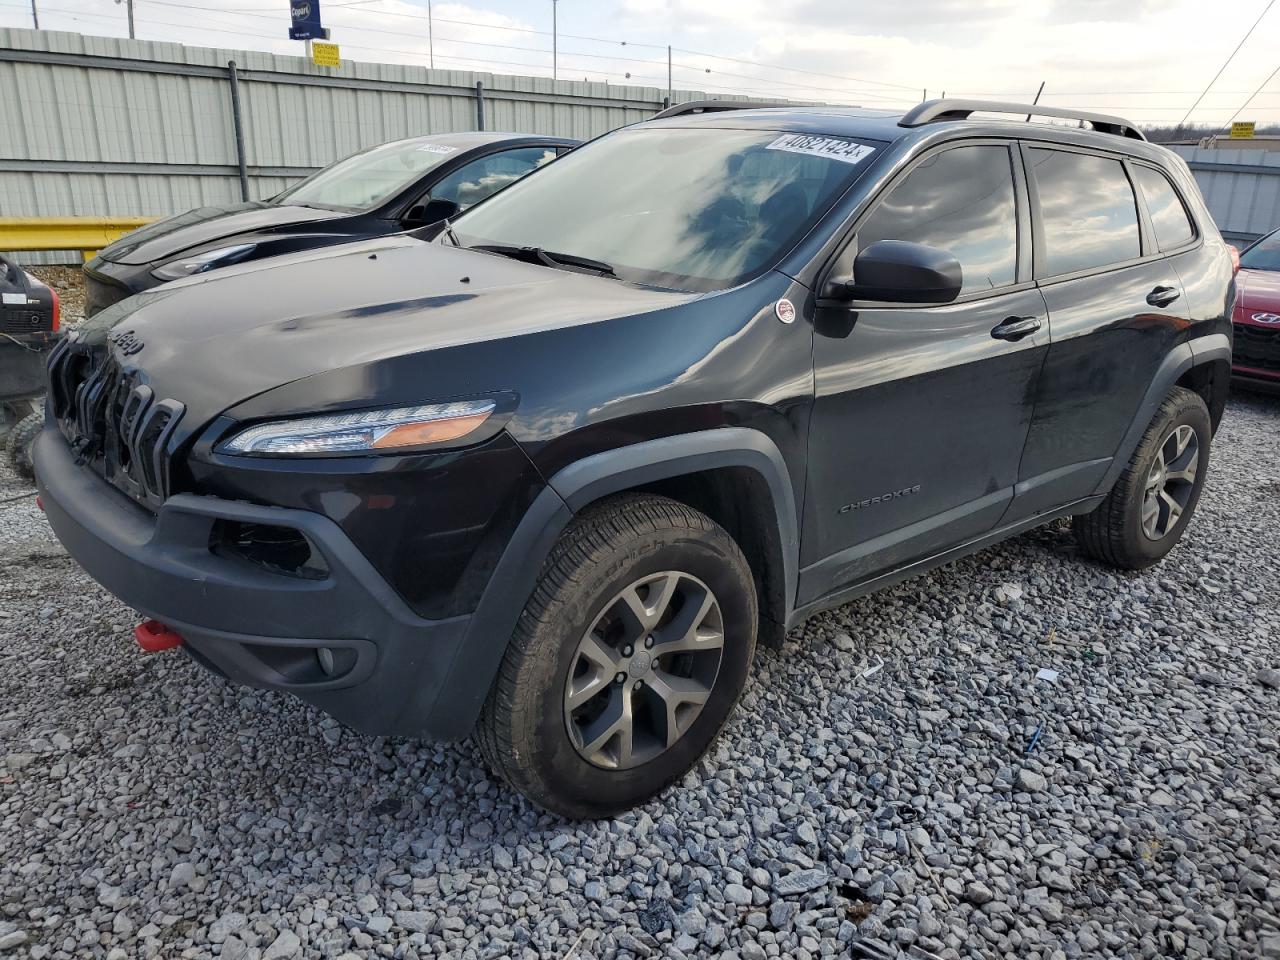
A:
604	473
513	580
1183	357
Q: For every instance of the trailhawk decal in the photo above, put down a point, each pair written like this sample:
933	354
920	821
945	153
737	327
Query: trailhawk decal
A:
830	147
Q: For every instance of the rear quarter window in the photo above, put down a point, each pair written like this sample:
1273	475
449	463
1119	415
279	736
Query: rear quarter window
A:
1169	217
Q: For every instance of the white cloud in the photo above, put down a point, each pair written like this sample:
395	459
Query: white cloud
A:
1147	59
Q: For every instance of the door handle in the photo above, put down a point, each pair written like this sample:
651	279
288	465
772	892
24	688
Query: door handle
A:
1015	328
1163	296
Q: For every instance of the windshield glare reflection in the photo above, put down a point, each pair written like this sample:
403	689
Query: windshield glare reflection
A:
369	178
697	209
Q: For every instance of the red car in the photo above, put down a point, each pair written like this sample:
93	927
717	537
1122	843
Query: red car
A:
1255	357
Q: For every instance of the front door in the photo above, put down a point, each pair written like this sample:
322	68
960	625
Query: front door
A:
921	412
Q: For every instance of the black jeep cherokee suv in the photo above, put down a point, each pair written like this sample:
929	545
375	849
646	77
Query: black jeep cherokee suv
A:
547	475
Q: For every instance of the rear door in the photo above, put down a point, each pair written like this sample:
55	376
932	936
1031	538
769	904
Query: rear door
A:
921	410
1116	308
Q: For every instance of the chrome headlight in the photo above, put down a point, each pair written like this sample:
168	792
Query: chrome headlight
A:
365	431
200	262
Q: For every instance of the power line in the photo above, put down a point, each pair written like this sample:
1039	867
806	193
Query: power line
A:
812	73
757	85
635	43
504	46
1224	66
1271	76
702	83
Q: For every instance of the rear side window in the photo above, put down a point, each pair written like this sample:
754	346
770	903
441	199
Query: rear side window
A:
1168	215
1087	209
960	201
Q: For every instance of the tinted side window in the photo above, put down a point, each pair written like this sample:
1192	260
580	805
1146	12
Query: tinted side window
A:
960	201
486	176
1168	215
1088	210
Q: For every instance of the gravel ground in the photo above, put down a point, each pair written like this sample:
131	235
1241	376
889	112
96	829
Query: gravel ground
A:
69	282
149	809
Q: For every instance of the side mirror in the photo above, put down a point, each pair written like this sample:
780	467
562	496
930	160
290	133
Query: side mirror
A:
433	211
898	271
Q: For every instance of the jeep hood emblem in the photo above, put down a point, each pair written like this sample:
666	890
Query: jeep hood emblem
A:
126	341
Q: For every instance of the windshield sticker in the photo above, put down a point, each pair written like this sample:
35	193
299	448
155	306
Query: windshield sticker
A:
830	147
436	148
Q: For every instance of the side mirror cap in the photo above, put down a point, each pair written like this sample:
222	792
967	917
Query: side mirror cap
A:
898	271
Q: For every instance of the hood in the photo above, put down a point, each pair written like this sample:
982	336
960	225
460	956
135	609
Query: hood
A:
213	341
1258	290
169	237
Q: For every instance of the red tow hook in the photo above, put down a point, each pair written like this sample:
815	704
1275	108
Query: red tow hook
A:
40	503
153	636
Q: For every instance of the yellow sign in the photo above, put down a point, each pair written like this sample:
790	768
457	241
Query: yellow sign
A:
325	54
1242	130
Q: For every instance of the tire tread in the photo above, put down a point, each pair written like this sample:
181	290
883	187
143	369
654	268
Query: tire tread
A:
1101	533
589	539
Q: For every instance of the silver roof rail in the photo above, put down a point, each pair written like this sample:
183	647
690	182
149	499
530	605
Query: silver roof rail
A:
712	106
933	111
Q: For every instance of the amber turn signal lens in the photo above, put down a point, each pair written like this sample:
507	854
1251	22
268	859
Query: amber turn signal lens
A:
429	431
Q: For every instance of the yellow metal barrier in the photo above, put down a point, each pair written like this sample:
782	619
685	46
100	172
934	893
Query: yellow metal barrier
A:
87	234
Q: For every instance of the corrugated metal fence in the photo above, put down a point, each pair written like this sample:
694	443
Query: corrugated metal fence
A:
97	126
1241	187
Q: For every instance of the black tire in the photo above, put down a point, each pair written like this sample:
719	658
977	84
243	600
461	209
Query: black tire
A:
1113	533
21	438
523	730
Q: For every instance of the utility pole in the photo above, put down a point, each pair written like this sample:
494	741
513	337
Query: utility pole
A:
555	57
35	17
128	7
670	97
431	38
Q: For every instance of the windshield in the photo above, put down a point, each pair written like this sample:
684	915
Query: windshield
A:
369	178
689	208
1263	255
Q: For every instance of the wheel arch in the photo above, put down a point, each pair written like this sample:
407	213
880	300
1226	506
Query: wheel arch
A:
1210	375
695	466
1202	365
735	475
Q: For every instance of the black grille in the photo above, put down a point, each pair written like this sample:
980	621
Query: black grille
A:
23	321
113	421
1256	347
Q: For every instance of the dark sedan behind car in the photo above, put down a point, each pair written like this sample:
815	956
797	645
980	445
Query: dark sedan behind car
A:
385	189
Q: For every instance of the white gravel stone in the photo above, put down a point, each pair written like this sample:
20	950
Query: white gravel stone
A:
855	813
1030	781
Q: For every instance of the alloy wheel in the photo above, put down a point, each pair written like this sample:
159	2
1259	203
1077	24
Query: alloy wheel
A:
1170	482
644	670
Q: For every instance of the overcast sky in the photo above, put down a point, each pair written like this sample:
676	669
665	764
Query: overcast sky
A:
1147	59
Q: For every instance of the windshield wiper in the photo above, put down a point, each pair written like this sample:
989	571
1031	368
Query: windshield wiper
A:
448	232
548	258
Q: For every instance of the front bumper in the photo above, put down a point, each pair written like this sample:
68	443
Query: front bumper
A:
255	626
